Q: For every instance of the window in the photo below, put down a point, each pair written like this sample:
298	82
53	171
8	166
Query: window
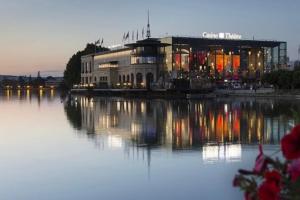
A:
143	60
107	65
128	79
132	78
139	79
103	79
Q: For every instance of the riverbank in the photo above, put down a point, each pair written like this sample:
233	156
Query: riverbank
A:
190	94
260	93
132	93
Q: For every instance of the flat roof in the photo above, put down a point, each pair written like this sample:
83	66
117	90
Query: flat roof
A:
148	42
200	41
225	42
106	52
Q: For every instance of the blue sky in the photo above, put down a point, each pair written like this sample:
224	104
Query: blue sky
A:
43	34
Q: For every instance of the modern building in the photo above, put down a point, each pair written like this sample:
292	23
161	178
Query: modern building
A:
158	62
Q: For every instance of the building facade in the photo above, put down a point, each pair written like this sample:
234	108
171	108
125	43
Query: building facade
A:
136	65
158	62
224	58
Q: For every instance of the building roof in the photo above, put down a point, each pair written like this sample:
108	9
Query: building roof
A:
147	42
224	42
140	43
199	41
106	52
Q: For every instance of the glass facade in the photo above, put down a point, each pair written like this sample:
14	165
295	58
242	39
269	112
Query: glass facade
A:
143	60
188	59
148	54
223	59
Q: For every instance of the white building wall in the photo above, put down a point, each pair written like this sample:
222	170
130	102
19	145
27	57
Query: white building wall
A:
87	63
121	67
122	57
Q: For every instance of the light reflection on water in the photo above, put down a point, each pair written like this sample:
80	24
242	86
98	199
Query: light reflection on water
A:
136	146
182	124
216	128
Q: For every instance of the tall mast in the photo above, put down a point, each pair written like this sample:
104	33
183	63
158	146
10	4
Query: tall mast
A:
148	27
299	53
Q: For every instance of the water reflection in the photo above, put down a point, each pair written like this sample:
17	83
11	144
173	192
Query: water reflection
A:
217	127
133	145
27	95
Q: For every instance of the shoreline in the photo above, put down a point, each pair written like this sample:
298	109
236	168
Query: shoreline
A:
187	94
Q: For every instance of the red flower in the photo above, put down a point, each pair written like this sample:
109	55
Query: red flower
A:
273	176
268	190
261	162
294	170
290	144
248	196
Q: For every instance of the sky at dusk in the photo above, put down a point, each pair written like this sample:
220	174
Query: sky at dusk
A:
41	35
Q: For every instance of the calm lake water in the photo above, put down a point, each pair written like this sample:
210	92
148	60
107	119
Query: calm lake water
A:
115	148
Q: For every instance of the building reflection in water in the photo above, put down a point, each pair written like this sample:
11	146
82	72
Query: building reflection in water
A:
218	128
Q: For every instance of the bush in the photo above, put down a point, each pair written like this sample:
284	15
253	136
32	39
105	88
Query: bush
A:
283	79
296	79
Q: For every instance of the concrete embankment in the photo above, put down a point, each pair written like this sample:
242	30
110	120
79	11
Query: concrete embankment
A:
260	93
170	94
132	93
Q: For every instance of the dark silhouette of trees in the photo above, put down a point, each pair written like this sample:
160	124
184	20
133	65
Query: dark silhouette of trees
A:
73	113
21	81
73	68
283	79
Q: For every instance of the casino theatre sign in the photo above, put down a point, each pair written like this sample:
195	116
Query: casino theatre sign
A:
228	36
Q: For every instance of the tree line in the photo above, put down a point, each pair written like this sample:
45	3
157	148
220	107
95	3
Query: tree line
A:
283	79
23	81
73	67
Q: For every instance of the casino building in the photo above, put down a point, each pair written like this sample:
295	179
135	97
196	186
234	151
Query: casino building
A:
158	62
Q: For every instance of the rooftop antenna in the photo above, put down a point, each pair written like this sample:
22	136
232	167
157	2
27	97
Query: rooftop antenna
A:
148	27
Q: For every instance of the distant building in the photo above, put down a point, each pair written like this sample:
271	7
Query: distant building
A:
53	82
297	64
291	65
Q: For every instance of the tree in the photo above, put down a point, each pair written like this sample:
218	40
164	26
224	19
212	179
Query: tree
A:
8	82
29	80
73	113
296	79
297	65
21	81
285	79
73	68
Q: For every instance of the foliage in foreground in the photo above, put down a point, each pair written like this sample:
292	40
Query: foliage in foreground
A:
273	179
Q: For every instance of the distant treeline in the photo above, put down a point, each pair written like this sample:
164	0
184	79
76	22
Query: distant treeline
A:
22	81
